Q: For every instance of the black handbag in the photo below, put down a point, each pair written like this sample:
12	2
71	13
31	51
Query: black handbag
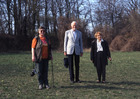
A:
33	70
66	63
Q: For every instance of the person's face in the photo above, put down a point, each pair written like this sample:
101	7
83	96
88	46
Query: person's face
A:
41	32
99	37
73	26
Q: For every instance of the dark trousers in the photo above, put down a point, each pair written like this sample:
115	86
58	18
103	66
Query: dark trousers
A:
42	71
101	68
71	71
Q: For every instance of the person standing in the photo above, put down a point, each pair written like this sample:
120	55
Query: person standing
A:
99	54
41	54
73	48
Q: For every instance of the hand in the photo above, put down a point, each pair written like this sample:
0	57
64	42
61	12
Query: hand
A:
33	59
92	61
81	54
109	58
65	53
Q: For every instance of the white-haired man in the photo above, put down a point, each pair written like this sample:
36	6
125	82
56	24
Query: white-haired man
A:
73	47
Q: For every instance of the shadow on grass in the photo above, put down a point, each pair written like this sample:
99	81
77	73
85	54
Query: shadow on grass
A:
126	83
117	83
98	87
88	81
107	85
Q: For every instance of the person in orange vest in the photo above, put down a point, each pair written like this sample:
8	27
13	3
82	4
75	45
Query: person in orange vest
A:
41	54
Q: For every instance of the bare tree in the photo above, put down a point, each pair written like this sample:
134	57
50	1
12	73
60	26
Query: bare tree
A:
15	17
54	16
9	18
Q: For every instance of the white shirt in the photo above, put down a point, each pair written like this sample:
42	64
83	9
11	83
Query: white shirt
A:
99	46
74	35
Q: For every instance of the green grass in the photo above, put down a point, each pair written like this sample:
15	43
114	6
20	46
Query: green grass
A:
123	78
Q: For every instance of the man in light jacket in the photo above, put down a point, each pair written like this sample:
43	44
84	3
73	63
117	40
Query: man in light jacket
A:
73	47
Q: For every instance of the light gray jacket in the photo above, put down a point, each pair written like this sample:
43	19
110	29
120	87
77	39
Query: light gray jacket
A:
70	43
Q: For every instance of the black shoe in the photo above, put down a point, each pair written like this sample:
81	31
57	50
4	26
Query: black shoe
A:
78	81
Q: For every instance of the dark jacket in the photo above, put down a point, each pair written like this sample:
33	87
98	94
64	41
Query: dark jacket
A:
93	53
38	49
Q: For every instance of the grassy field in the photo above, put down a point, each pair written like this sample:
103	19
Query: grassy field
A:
123	78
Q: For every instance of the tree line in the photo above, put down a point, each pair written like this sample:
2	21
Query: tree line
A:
118	20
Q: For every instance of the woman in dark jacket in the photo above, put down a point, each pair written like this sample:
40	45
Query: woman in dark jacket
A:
99	54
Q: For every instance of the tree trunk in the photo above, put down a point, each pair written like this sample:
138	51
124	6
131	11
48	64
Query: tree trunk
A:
9	19
15	18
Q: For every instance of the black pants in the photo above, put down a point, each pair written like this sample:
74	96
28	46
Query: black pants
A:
71	71
101	68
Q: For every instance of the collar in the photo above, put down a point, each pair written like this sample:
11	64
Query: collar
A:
101	40
73	31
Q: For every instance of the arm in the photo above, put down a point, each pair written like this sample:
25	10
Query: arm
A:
91	53
65	43
34	41
33	54
81	44
93	48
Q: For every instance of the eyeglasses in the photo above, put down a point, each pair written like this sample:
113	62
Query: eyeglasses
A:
42	30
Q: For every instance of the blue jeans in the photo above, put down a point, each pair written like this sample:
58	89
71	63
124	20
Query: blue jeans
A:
42	71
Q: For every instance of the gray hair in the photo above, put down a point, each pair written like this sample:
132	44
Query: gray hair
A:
73	22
